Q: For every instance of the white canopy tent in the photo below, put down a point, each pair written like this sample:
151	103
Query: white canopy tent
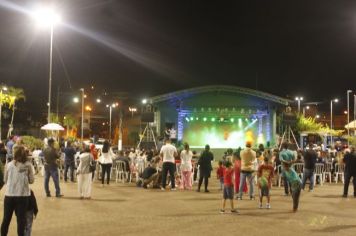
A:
351	125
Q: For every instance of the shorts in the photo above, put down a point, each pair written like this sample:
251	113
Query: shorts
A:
264	191
228	192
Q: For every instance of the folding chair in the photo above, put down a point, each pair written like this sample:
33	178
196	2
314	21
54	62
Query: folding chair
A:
339	171
298	167
327	171
121	173
319	168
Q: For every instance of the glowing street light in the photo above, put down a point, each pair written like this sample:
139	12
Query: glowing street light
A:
132	110
47	17
110	113
317	116
144	101
348	113
298	99
98	100
76	100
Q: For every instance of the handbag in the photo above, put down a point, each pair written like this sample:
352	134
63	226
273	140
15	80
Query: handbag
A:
92	166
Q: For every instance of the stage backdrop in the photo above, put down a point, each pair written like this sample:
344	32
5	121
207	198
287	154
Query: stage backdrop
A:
219	134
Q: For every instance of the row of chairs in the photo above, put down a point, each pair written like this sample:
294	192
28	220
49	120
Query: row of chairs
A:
323	171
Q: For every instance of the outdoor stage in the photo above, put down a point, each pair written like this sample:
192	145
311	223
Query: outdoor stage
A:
221	116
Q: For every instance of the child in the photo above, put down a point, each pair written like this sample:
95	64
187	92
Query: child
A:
265	175
31	212
228	187
295	183
220	174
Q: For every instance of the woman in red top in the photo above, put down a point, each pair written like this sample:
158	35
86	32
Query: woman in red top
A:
94	153
237	168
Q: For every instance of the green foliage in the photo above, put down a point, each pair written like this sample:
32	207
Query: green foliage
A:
32	142
54	118
310	125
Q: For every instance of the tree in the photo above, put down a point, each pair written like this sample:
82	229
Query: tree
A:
71	123
13	95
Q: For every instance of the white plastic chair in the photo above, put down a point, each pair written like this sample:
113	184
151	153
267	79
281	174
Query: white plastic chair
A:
298	167
319	169
339	171
121	173
327	171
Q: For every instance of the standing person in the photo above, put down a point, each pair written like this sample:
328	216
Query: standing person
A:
205	168
3	153
286	157
9	146
220	174
51	160
310	157
106	158
19	174
248	157
237	169
168	153
265	175
94	154
350	170
84	175
228	187
295	184
31	213
69	162
186	167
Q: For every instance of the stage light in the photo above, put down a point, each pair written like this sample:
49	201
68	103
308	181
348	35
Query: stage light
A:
191	118
212	119
240	123
221	119
196	118
187	119
246	119
232	120
204	119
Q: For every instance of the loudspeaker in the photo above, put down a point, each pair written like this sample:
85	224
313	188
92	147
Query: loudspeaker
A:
147	117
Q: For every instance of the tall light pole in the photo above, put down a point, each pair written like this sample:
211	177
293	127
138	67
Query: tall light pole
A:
110	115
3	88
348	114
307	108
132	110
82	122
298	99
331	118
48	18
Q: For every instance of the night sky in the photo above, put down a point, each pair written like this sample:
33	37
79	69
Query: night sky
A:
149	47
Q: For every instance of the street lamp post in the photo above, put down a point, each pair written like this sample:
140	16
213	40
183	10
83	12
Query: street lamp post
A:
47	17
1	89
82	122
298	99
132	110
307	108
331	118
348	113
110	115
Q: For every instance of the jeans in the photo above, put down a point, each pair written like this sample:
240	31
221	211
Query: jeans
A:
19	205
71	167
105	168
286	184
29	221
250	179
308	174
347	182
55	177
295	196
168	167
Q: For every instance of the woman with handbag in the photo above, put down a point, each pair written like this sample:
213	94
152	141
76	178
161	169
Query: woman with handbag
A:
19	173
84	173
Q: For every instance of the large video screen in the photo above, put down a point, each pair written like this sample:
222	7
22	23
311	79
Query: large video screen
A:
220	134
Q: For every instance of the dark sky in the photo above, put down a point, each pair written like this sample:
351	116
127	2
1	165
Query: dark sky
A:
148	47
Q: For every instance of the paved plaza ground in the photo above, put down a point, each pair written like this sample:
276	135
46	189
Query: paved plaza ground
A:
123	209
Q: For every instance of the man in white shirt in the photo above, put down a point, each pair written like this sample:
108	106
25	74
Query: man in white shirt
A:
168	153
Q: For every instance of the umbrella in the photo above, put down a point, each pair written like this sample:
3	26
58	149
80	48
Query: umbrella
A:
52	126
351	125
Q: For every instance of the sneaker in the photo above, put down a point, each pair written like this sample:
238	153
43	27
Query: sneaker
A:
207	191
311	190
222	211
59	195
344	196
173	189
198	190
163	189
48	195
260	206
235	211
268	206
144	186
252	197
239	198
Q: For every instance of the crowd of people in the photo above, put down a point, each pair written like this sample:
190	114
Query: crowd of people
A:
238	172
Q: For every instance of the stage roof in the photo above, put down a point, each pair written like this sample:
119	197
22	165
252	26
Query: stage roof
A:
220	88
